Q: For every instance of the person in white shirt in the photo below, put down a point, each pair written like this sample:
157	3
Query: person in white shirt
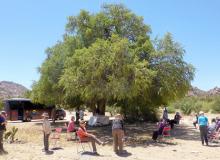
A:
46	130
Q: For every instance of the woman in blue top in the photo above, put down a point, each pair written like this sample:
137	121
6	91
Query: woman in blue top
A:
203	127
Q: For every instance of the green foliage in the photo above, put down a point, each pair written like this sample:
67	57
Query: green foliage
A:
186	105
171	109
1	104
216	105
173	74
109	58
104	70
27	94
113	110
196	104
10	135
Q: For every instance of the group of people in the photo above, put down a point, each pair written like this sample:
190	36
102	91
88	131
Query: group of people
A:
84	136
206	129
117	130
165	121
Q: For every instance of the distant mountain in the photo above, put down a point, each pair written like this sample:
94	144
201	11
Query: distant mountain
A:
194	91
11	89
214	91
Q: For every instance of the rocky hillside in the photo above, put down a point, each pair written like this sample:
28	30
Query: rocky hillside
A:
214	91
198	92
11	89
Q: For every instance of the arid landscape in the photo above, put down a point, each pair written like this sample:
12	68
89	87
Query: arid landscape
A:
185	144
146	66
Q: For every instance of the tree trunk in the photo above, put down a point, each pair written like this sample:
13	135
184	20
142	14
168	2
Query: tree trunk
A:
101	106
77	114
92	106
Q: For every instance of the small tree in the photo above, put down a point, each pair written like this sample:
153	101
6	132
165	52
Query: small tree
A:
10	135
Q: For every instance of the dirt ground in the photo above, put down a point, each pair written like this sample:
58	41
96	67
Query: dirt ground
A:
185	144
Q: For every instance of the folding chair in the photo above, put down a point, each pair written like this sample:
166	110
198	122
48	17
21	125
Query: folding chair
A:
82	144
70	136
214	137
166	133
56	136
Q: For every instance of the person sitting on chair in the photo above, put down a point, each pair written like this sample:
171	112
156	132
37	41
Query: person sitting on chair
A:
71	128
212	127
84	136
177	118
158	132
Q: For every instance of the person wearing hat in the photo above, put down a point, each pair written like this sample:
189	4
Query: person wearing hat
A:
203	127
46	131
84	136
2	130
118	134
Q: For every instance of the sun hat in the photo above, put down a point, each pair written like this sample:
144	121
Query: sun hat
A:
201	112
45	114
3	112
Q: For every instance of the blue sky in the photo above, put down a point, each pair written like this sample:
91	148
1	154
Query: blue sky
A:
28	27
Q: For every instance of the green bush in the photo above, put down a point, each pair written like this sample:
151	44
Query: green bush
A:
207	106
171	109
197	106
139	113
10	135
1	105
113	110
216	105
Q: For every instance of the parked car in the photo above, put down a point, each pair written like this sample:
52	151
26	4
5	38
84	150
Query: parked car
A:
60	114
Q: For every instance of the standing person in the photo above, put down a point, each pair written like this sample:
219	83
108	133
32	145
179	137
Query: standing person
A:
81	114
84	136
165	114
77	115
71	128
203	125
118	134
195	121
2	130
46	131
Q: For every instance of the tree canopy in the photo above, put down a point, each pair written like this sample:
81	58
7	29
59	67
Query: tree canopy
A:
109	58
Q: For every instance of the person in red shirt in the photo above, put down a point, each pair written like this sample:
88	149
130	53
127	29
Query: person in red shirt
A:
71	128
84	136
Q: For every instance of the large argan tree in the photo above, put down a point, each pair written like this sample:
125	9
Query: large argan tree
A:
109	58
